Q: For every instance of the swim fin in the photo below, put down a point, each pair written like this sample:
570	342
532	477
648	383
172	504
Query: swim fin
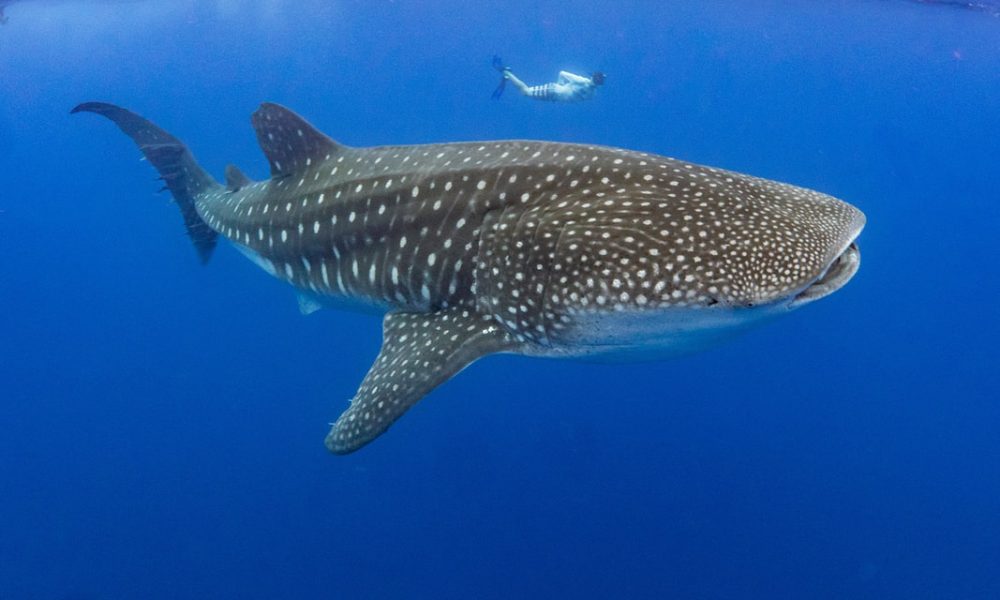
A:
500	88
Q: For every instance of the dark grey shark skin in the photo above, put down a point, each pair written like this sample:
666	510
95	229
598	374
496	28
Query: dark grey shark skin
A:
536	248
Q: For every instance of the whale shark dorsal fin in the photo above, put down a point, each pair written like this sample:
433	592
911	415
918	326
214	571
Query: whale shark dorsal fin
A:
419	352
235	179
290	143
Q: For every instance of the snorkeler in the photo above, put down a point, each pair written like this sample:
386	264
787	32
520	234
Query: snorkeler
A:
570	87
3	18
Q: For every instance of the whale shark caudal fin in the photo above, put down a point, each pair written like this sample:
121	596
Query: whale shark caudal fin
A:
419	352
290	143
178	169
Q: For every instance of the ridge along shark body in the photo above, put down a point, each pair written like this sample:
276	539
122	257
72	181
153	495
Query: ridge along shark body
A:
535	248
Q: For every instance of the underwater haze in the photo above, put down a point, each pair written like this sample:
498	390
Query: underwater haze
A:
162	422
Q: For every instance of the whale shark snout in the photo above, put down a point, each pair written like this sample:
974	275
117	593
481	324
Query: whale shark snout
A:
790	246
840	271
844	262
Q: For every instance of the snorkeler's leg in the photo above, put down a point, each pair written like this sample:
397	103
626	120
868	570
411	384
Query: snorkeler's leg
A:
520	85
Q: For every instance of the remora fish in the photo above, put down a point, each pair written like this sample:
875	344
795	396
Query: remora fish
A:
537	248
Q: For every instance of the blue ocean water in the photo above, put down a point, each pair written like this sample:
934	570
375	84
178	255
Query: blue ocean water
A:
161	423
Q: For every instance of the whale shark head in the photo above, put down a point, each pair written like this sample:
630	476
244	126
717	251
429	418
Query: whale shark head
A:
777	245
689	256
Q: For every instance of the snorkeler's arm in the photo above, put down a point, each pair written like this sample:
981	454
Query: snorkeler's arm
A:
573	78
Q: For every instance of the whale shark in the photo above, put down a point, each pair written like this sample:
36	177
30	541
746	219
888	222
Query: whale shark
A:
535	248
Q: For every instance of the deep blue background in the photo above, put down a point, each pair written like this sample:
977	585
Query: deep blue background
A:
161	423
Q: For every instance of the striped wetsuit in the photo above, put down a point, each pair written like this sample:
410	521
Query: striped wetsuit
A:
568	88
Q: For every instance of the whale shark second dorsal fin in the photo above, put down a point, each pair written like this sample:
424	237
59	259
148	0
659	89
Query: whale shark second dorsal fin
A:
290	143
235	179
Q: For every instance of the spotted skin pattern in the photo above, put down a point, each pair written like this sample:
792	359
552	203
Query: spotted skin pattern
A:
419	351
537	248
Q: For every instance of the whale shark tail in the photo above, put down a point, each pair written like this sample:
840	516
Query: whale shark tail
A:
178	169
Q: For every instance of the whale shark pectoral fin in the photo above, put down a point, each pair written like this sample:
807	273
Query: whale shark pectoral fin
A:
290	143
419	352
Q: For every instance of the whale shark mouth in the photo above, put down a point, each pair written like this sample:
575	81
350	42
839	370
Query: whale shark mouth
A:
840	271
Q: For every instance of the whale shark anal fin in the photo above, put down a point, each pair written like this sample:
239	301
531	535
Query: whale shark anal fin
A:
419	352
308	303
